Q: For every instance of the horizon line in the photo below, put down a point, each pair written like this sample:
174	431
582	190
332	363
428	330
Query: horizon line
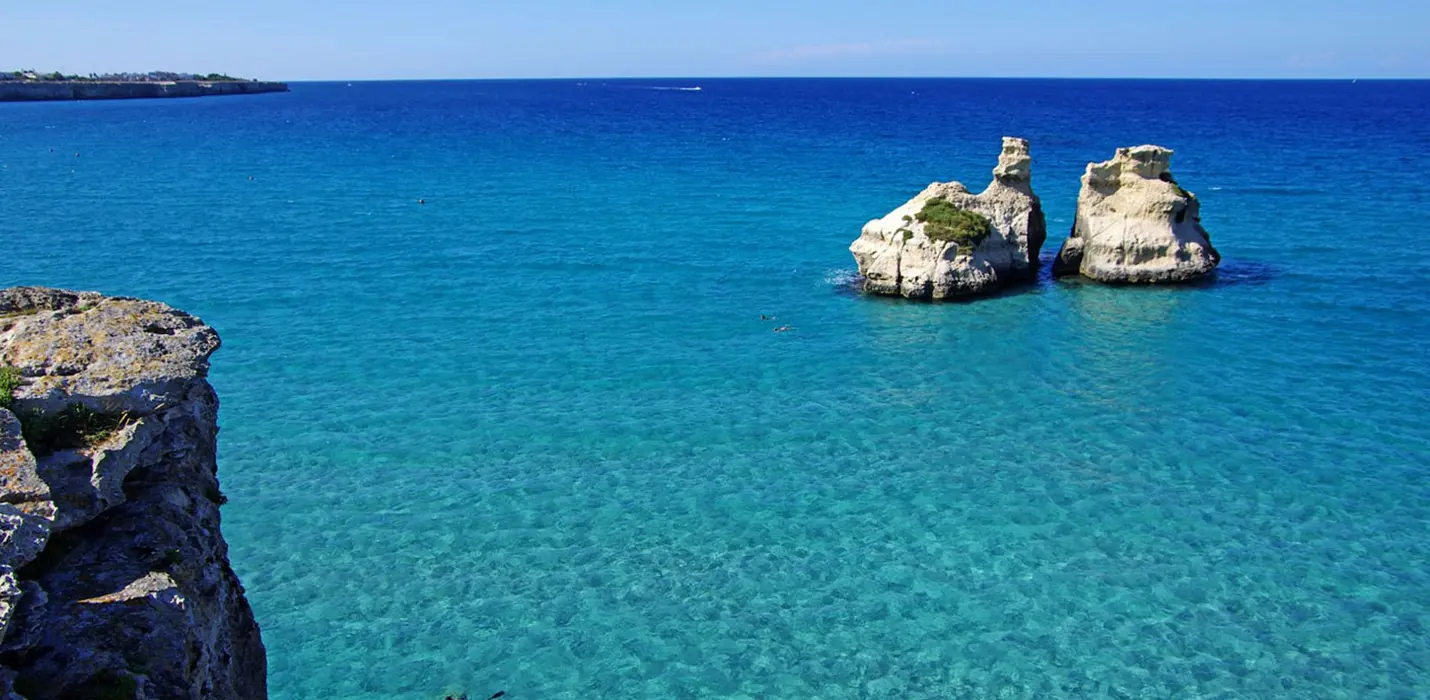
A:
846	77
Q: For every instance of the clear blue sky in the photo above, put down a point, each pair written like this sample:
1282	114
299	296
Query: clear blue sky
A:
374	39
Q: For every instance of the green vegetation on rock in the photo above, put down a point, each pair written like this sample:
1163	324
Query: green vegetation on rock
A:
76	427
943	221
9	382
1167	177
17	314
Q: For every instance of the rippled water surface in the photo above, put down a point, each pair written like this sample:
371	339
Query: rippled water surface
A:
533	436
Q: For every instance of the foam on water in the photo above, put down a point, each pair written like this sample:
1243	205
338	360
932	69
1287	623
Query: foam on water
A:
533	435
847	278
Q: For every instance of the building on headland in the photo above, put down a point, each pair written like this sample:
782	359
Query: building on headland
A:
150	77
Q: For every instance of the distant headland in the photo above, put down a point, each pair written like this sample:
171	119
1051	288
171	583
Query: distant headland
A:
33	86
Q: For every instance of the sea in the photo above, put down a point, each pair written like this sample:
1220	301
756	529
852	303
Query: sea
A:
500	411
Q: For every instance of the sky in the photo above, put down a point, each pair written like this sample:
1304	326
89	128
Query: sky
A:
385	39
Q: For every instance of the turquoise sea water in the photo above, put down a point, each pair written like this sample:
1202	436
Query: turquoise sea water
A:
533	436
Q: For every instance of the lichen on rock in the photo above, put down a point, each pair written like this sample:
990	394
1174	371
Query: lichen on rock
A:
114	575
1136	225
946	242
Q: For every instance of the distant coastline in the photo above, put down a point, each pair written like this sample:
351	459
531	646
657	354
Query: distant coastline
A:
30	86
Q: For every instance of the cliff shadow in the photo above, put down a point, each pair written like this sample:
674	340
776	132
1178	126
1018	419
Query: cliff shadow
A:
1229	273
850	284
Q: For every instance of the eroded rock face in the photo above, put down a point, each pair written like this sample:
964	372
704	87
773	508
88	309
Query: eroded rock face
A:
896	255
114	576
1136	225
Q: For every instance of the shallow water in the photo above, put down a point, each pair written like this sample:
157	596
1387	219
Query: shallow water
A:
533	436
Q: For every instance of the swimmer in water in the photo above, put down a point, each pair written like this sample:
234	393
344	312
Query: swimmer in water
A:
421	201
782	329
766	318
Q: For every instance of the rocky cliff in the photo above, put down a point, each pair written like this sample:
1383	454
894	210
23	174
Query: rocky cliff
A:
1135	224
114	575
44	91
946	242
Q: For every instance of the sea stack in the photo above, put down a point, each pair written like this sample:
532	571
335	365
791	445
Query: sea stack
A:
114	576
1136	225
947	243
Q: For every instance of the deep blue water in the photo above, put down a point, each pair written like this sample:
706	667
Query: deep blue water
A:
533	436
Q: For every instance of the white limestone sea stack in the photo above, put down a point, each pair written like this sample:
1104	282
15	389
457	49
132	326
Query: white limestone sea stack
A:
947	243
1136	225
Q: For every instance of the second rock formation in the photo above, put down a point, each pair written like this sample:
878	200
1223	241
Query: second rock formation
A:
1136	225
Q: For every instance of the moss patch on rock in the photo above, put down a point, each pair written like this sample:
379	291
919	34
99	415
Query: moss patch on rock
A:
1167	177
943	221
76	427
9	382
6	315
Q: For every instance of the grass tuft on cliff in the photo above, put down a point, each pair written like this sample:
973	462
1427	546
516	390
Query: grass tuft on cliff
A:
9	382
945	222
73	428
76	427
4	315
